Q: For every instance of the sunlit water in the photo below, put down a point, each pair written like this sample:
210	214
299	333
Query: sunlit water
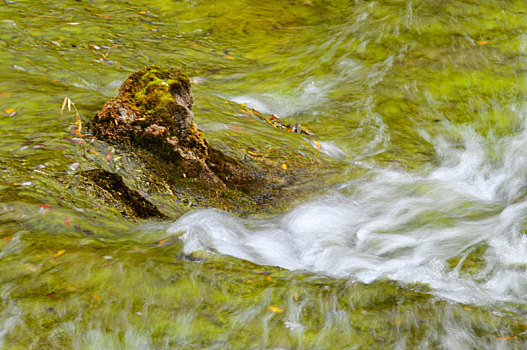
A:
412	237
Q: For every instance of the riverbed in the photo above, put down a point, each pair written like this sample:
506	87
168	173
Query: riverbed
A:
412	232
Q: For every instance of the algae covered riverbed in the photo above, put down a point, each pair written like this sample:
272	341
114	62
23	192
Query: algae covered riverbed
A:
404	227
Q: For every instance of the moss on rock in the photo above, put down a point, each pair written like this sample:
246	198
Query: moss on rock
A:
151	117
153	111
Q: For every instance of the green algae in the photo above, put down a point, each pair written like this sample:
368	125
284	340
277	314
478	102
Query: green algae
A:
154	296
204	302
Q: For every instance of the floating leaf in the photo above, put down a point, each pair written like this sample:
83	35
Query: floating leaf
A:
59	253
284	166
229	57
235	127
318	145
482	42
10	111
505	338
396	322
161	242
44	208
67	221
274	309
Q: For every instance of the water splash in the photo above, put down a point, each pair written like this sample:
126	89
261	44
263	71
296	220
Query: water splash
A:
399	225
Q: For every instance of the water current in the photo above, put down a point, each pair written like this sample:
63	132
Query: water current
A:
412	234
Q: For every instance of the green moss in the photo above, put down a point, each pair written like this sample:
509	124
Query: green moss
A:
471	261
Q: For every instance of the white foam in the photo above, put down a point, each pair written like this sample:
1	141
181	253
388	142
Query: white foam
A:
399	225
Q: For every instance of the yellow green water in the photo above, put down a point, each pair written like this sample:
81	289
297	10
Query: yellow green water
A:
413	88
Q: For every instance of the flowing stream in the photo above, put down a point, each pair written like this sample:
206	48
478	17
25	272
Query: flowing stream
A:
412	234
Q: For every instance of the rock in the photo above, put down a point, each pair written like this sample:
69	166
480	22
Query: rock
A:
153	112
113	190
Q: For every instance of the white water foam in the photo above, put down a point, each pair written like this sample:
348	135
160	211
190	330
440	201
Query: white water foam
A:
399	225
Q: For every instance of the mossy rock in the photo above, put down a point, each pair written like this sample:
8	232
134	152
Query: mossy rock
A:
152	118
153	111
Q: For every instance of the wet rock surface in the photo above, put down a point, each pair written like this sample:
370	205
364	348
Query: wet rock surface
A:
111	188
151	120
153	112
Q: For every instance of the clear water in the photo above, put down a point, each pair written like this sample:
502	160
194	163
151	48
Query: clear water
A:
415	238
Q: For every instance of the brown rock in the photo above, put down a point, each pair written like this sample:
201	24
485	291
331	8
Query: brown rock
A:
153	112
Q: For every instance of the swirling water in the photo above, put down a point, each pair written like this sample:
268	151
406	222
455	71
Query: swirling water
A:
412	237
399	225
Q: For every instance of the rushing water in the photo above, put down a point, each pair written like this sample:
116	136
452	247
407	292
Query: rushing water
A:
414	238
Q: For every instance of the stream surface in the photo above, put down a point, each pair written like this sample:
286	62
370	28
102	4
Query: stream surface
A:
413	237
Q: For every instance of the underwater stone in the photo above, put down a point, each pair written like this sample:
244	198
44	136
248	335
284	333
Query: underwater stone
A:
112	188
153	112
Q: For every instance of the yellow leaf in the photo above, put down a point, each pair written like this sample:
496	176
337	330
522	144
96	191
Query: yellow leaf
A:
229	57
284	166
274	309
483	42
59	253
143	12
318	145
505	338
396	322
9	110
96	297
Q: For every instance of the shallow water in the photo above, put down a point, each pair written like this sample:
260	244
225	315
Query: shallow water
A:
415	238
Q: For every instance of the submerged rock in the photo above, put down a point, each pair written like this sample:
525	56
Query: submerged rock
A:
112	189
153	112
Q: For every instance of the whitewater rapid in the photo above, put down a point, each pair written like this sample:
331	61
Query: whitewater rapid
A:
400	225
